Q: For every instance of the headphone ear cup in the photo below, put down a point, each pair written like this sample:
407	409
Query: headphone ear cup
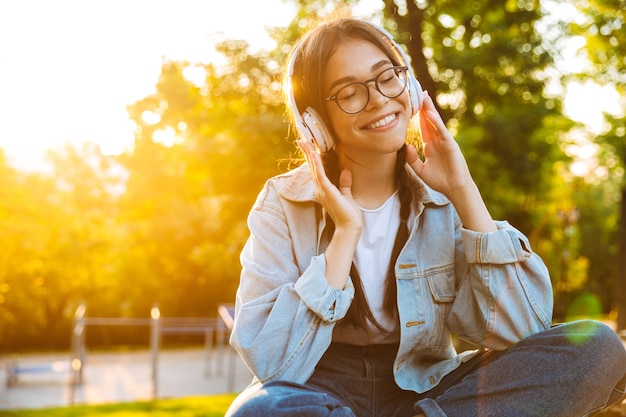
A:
415	94
319	134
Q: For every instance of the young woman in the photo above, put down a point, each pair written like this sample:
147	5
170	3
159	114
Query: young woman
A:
362	263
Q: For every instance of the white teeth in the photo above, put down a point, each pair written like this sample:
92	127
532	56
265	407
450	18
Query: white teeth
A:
382	122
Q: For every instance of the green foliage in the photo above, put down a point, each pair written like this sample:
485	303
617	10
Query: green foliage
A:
57	246
165	222
185	203
486	65
211	406
601	25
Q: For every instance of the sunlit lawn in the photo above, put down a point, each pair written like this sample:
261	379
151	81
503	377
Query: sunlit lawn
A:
209	406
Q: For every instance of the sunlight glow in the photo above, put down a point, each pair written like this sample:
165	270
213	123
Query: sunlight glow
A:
584	155
587	102
166	137
195	74
72	67
150	117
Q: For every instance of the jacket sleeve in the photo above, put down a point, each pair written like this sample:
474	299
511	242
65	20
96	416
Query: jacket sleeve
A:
284	312
504	293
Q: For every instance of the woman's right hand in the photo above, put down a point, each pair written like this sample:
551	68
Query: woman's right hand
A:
344	211
337	201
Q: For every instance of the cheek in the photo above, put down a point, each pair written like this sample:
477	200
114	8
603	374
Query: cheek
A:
406	99
340	122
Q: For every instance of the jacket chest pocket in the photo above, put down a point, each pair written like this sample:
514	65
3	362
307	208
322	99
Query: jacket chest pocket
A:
442	291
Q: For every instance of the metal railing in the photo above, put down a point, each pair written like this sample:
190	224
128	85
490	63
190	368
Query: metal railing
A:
214	329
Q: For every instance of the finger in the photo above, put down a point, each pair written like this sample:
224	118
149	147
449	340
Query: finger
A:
316	166
345	182
411	153
428	117
412	158
310	156
432	121
306	148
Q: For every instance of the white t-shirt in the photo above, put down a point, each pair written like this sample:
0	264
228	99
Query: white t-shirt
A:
373	253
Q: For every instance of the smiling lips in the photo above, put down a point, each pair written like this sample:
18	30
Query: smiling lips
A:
382	122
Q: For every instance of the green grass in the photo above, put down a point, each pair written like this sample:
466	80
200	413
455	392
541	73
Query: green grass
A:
209	406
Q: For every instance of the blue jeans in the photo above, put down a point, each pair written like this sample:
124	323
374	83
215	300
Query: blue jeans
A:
574	369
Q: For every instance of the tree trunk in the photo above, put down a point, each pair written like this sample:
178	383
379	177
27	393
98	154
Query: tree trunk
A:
621	266
411	24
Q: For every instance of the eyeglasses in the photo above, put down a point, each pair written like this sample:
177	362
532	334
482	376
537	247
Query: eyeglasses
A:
353	98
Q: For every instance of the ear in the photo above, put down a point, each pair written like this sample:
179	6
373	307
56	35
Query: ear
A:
319	134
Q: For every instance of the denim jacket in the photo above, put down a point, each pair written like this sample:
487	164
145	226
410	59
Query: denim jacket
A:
487	288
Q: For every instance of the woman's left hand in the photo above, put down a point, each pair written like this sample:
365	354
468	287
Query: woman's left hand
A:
444	167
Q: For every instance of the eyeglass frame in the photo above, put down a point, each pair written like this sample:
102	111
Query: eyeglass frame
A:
366	84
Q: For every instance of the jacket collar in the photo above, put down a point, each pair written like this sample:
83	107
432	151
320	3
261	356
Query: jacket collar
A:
300	188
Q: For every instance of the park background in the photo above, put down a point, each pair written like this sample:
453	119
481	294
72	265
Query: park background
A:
532	90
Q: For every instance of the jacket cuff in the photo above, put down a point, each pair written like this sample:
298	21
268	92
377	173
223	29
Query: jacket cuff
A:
330	304
504	246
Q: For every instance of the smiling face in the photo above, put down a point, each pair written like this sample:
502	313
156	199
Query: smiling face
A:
381	127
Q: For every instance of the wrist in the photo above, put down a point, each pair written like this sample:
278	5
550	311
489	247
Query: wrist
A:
348	236
348	230
468	192
472	210
339	255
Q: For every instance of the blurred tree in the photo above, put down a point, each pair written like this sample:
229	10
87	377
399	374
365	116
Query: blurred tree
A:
11	202
204	146
601	25
597	202
487	66
57	248
489	69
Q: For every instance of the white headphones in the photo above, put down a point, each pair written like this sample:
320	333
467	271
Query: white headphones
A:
309	125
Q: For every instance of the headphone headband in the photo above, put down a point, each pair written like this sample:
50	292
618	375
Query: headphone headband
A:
308	123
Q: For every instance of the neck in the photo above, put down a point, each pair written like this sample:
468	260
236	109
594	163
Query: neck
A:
373	182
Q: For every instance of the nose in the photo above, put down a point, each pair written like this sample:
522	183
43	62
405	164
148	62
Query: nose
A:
376	98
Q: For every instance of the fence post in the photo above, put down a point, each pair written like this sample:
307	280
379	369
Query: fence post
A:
77	354
155	315
208	344
227	314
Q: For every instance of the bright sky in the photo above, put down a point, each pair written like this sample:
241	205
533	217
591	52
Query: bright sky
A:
69	68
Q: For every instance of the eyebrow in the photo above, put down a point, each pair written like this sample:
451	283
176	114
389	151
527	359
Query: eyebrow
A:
351	78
